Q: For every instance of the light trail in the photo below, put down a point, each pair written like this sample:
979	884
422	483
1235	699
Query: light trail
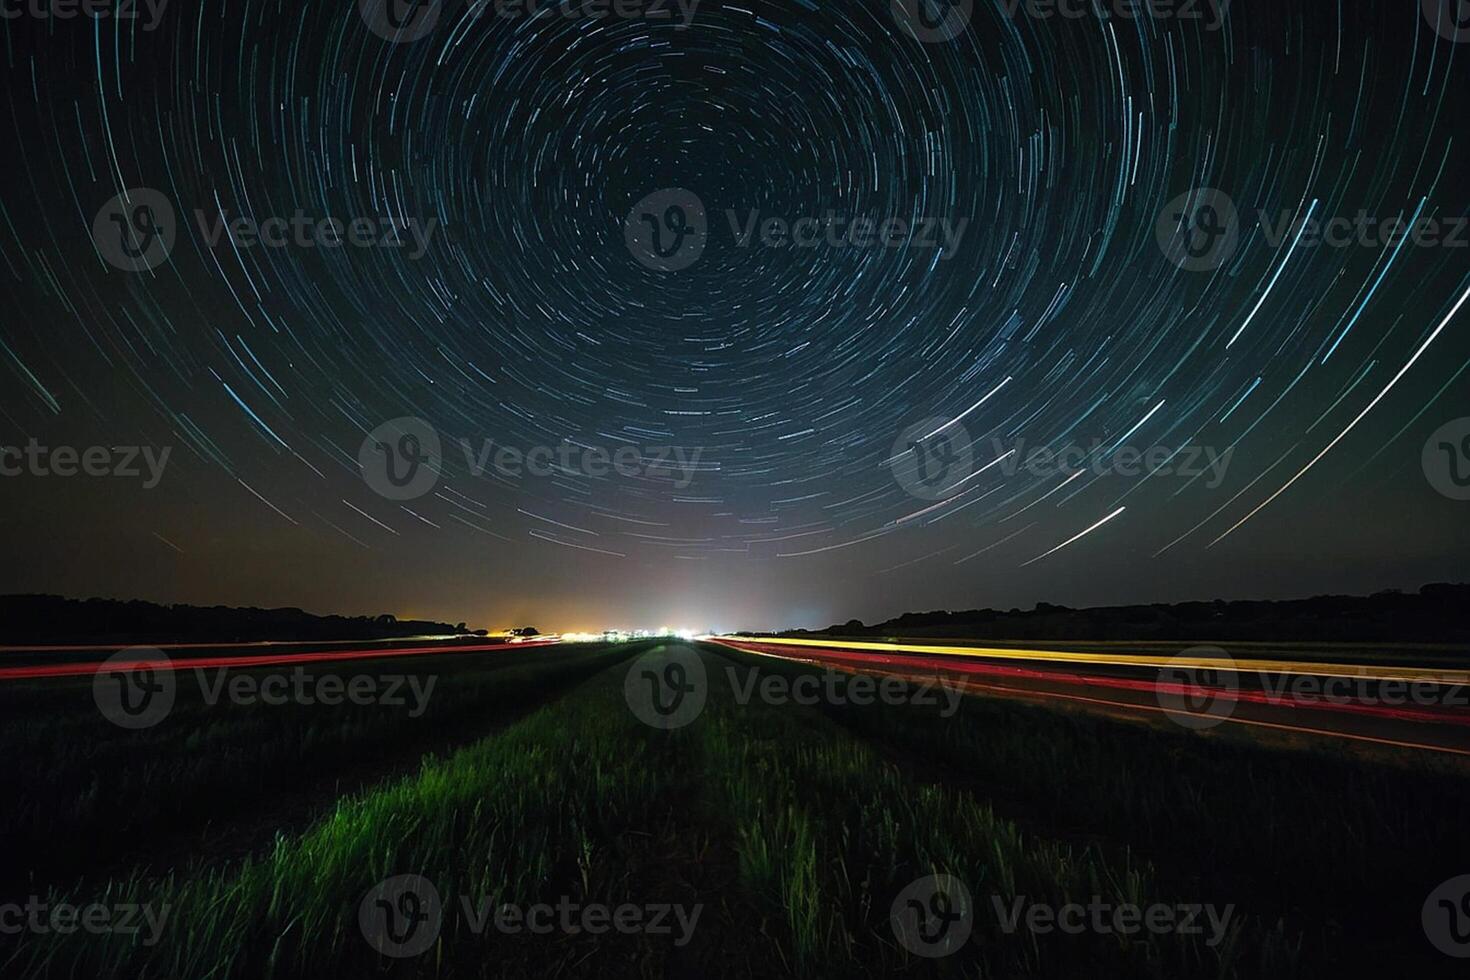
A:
83	669
905	671
81	647
963	670
1076	537
1353	424
1373	672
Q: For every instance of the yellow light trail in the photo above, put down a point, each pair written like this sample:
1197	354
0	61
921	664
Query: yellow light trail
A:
1375	672
1023	693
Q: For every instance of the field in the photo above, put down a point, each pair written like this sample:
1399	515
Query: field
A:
760	839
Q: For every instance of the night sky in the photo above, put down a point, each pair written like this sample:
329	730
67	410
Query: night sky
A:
844	407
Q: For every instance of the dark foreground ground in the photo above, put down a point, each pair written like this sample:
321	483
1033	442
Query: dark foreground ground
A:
723	830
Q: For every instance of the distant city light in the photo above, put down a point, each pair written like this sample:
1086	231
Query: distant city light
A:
620	636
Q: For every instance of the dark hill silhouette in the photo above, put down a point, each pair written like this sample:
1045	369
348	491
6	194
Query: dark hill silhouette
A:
1435	614
50	619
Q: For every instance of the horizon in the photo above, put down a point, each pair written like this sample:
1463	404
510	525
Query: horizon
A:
677	626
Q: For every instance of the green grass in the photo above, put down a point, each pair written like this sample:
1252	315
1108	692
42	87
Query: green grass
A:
71	775
795	829
1327	842
532	813
830	832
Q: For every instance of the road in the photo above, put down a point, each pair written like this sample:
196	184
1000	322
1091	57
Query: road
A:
32	663
1391	704
1406	701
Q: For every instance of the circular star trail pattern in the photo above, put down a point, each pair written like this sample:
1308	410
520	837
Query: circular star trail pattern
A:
1055	319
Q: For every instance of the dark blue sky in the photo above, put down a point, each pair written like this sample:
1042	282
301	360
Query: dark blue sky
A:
788	295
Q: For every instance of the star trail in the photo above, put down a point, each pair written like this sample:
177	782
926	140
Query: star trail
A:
755	314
